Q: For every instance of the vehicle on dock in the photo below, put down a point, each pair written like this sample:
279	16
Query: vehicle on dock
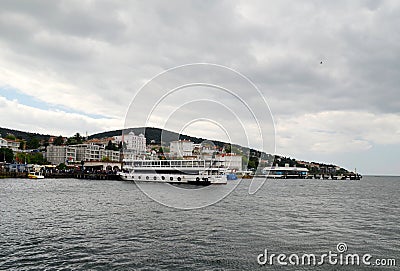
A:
199	172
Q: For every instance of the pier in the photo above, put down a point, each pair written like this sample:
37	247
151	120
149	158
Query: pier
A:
314	176
64	175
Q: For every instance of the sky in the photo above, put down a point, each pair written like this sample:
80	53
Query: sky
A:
328	70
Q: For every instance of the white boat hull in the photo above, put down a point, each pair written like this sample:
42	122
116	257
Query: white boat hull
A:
174	178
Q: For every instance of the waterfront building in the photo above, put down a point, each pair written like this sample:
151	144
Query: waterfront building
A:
60	154
87	152
230	161
80	152
181	148
110	155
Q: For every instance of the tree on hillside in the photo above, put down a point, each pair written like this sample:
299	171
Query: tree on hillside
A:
58	141
22	145
78	138
111	146
6	155
33	143
10	136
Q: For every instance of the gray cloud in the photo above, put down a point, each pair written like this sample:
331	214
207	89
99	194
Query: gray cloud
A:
93	56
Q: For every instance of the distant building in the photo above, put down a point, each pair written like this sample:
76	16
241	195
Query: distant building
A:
3	143
60	154
80	152
100	141
181	148
12	144
87	152
132	143
230	161
110	154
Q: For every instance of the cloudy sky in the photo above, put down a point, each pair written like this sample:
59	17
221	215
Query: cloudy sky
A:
76	66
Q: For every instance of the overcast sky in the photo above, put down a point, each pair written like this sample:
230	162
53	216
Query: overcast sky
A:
75	66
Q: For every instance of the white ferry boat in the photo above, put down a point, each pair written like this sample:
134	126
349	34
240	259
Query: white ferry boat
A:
199	172
285	172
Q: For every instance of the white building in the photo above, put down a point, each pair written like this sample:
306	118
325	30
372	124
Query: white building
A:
110	154
3	143
230	161
87	152
180	148
60	154
133	143
12	144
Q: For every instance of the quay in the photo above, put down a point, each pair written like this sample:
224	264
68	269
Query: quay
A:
64	175
315	176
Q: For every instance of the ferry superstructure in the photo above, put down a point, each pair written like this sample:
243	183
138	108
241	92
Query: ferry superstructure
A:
200	172
286	172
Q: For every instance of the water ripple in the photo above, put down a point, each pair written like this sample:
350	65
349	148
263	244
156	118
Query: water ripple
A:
105	225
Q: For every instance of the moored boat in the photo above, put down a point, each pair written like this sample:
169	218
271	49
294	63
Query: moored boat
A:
35	175
199	172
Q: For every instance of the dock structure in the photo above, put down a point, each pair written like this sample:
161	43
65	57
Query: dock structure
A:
64	175
97	176
315	176
83	175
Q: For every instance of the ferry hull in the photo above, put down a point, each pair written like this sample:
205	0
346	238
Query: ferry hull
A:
174	178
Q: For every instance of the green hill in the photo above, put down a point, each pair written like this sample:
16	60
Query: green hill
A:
23	135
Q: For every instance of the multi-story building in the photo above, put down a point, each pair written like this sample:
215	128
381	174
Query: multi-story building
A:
230	161
110	155
180	148
132	143
87	152
60	154
80	152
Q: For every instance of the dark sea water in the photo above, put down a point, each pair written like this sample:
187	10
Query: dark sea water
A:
69	224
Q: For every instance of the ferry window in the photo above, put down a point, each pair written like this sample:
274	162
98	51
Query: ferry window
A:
175	163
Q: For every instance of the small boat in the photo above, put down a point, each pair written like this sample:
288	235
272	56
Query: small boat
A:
35	175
